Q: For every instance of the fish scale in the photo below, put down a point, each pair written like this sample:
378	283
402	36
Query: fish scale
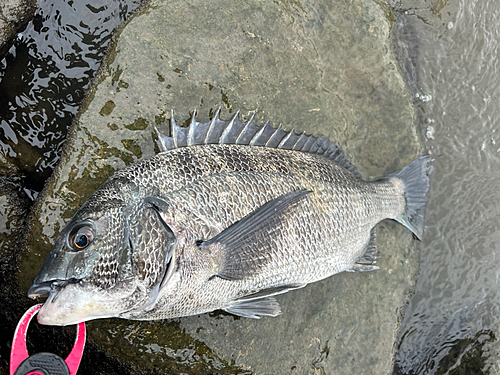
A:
341	236
227	215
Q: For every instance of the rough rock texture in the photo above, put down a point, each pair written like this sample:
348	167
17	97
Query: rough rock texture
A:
322	67
14	206
13	15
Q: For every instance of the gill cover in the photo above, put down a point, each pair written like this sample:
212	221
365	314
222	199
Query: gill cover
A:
104	265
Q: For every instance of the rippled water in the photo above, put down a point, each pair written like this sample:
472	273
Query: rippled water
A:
44	75
452	321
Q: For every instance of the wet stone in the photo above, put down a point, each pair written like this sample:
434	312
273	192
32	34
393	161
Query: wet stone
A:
321	67
14	206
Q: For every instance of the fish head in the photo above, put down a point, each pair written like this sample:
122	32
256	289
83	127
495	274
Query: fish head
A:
109	259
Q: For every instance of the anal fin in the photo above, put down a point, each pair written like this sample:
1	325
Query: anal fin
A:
367	261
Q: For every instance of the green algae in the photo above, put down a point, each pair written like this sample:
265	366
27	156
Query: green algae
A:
138	124
160	119
107	108
132	147
123	84
115	75
82	184
389	12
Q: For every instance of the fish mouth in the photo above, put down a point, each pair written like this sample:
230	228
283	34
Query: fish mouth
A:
46	288
73	301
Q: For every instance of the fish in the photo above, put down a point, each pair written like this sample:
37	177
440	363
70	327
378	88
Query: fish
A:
227	215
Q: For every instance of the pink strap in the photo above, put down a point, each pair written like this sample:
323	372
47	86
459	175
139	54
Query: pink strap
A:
19	351
74	358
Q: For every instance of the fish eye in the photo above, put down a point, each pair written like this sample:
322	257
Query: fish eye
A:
81	237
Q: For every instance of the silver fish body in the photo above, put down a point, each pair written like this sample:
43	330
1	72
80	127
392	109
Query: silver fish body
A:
220	225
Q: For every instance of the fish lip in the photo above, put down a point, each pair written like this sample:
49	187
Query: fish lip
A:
46	288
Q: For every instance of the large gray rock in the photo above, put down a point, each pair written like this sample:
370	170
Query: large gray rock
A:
322	67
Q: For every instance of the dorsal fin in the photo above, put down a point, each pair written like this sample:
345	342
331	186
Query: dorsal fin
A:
233	131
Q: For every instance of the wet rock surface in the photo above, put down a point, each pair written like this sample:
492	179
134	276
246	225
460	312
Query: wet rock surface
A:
324	68
14	206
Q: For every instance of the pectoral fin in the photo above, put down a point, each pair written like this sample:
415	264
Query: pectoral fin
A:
245	247
267	306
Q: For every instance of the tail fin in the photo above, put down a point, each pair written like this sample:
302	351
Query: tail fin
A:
416	179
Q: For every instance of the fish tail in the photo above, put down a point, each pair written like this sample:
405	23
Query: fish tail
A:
416	179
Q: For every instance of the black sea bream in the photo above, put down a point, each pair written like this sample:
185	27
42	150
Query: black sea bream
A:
226	216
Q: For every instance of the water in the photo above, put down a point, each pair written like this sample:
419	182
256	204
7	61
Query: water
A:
43	79
453	317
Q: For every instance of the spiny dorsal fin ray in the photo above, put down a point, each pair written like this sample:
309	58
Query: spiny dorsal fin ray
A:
234	131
